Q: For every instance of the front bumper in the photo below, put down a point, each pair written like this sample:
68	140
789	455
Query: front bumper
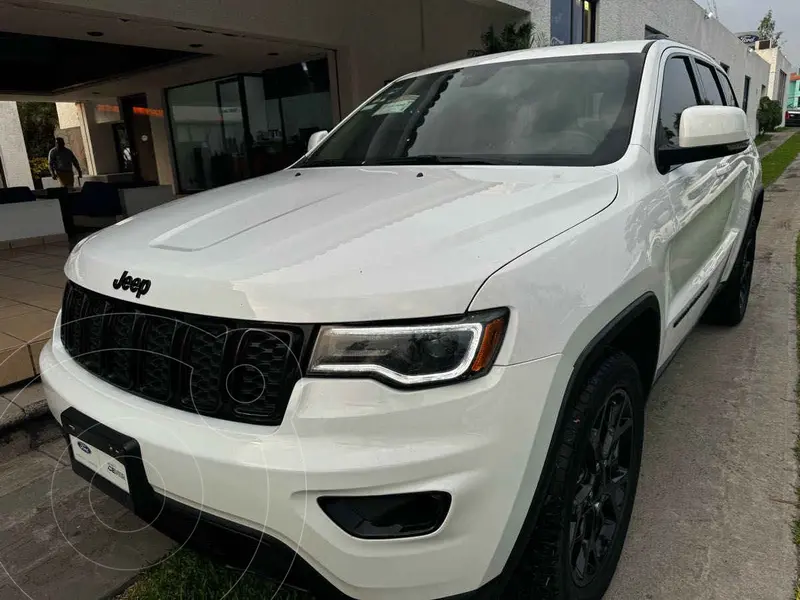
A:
343	437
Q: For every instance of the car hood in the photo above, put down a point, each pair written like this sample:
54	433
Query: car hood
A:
340	244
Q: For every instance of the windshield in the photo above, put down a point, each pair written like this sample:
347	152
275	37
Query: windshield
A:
575	111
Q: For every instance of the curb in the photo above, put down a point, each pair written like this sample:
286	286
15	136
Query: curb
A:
19	419
15	415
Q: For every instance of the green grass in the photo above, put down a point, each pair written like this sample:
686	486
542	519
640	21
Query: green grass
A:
775	163
188	576
761	138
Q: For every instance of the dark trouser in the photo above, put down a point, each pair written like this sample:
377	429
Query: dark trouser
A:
66	178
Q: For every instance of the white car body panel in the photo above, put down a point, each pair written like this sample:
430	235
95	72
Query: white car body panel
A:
566	249
341	244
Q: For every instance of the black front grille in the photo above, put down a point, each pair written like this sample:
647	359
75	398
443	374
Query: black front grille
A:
234	370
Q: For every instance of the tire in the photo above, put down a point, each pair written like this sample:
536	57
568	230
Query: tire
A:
730	304
551	565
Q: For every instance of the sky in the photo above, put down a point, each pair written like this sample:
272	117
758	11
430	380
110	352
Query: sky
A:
745	15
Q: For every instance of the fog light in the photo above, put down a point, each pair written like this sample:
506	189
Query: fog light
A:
387	517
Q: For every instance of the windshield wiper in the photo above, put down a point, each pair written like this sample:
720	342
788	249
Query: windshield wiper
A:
440	159
329	162
419	159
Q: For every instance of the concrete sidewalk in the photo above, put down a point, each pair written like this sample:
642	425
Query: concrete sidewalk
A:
776	140
58	539
716	497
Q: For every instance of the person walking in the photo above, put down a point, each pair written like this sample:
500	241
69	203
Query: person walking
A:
61	161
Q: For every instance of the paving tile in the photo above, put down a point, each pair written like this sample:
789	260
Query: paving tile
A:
7	302
54	250
19	289
41	260
8	342
50	300
10	413
61	539
21	270
29	327
12	308
57	450
15	360
13	443
53	278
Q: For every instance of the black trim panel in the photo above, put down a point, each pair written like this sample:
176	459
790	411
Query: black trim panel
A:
686	310
125	449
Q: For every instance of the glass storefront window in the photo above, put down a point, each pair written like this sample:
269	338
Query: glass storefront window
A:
265	128
247	125
207	133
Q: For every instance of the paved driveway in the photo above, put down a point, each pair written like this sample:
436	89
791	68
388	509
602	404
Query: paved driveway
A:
717	496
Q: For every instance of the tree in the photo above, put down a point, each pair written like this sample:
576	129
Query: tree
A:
766	29
512	37
39	121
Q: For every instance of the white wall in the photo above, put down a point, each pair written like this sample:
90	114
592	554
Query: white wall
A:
778	63
30	219
69	114
13	154
98	141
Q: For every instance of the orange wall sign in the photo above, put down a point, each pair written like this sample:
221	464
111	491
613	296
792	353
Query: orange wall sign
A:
137	110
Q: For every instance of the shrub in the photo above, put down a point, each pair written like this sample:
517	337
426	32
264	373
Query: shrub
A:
769	115
39	167
511	37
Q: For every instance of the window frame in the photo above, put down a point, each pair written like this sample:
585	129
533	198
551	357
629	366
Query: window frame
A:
693	77
723	79
696	62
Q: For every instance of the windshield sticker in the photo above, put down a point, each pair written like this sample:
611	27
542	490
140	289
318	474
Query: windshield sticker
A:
395	106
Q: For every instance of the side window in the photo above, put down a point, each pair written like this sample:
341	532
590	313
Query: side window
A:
727	89
678	92
711	88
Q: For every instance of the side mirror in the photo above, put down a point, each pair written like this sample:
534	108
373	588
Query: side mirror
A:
706	132
315	139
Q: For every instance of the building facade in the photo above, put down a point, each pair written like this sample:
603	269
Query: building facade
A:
780	70
218	92
793	100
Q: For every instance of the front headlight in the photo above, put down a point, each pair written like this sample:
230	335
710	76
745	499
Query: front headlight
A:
415	354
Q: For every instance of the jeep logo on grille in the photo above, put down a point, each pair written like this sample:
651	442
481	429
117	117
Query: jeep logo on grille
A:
135	285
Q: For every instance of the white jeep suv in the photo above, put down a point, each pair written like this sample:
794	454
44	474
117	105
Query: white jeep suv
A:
417	361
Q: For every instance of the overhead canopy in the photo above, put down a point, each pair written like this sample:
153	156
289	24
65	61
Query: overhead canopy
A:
33	64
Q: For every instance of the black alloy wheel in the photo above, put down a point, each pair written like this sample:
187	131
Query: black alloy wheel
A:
601	495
